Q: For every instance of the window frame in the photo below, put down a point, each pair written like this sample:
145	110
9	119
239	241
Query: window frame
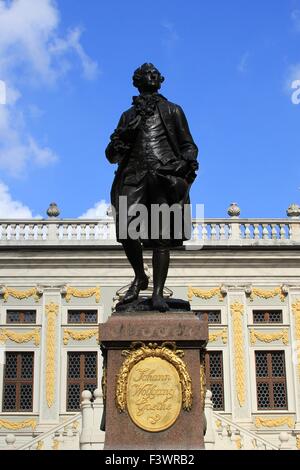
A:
216	381
18	381
271	380
81	380
82	311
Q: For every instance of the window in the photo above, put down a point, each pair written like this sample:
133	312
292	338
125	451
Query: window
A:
214	377
82	375
21	316
271	380
82	316
18	382
263	316
212	316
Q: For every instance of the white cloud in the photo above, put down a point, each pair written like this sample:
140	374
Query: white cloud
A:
32	50
295	16
243	64
99	211
171	36
10	209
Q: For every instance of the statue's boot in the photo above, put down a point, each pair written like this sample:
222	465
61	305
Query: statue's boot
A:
134	290
159	303
161	260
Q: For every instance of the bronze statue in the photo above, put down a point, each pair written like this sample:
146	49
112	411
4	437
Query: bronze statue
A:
157	160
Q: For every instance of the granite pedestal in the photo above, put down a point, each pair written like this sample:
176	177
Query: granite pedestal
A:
186	332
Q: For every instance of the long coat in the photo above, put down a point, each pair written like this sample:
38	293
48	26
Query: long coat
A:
180	139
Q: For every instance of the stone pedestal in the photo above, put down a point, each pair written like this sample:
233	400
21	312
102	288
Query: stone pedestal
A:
152	387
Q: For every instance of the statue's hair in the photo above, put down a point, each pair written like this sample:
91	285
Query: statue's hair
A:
138	74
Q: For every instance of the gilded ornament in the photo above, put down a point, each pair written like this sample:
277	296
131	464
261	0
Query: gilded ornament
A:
104	383
21	295
202	384
79	335
51	312
17	426
83	294
296	312
139	352
218	334
269	338
273	423
298	441
40	445
20	337
206	294
55	444
237	312
268	294
154	394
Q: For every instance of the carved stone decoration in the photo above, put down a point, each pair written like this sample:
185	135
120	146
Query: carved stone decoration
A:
219	292
7	292
202	379
223	334
275	422
293	211
234	210
70	292
51	313
267	294
20	338
79	335
237	312
296	312
269	337
167	352
53	211
17	426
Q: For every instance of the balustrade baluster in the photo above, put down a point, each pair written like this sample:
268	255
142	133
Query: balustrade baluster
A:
256	231
247	231
265	231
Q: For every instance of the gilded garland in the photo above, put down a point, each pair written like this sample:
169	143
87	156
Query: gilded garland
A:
206	294
20	294
83	294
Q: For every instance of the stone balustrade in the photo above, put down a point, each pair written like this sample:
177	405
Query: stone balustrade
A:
208	232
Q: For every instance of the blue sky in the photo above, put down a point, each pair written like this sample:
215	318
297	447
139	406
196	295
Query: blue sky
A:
68	65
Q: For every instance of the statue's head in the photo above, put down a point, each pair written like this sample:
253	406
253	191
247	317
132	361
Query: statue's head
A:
147	78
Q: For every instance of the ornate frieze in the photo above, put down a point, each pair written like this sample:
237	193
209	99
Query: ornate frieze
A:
282	335
79	335
20	338
215	335
19	425
51	313
219	292
70	292
275	422
237	312
7	292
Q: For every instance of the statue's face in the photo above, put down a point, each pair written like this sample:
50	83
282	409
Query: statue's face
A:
150	81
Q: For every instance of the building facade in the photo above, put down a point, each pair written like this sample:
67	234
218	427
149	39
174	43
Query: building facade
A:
60	278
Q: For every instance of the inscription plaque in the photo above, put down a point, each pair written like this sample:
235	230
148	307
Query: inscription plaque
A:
154	394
